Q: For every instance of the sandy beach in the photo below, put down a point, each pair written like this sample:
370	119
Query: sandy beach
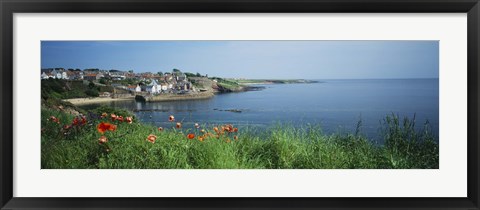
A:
81	101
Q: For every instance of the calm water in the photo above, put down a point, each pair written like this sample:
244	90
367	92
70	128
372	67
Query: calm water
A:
336	105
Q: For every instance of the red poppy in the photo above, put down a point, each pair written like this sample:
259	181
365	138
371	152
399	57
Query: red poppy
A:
75	121
54	119
179	125
102	140
228	128
102	127
84	120
191	136
151	138
113	116
235	129
129	120
171	118
120	118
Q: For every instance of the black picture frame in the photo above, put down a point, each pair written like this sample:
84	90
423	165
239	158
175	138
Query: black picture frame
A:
9	7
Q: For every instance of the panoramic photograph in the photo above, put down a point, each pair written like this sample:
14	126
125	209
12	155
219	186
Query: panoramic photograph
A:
239	104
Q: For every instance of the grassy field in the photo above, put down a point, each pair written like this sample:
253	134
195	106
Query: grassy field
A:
69	145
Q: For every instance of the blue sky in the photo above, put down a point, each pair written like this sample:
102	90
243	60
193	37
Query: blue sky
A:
253	59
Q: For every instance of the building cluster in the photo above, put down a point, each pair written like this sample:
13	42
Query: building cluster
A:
175	82
145	82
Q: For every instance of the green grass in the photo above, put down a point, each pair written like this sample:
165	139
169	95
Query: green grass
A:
281	147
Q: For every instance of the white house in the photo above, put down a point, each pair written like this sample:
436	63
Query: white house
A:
45	76
64	75
156	86
135	88
151	89
164	86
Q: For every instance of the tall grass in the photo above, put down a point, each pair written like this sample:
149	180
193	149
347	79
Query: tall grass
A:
281	147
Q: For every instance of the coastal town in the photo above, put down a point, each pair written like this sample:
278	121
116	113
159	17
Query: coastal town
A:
108	85
147	86
151	83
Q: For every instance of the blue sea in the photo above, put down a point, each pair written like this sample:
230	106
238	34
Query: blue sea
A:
335	105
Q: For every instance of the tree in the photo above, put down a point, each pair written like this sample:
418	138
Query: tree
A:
176	70
91	85
160	73
189	74
198	74
92	92
102	81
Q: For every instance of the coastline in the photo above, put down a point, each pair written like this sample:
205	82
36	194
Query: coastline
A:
94	100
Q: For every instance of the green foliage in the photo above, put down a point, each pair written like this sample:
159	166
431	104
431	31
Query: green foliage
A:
282	147
62	89
91	85
92	92
103	81
189	74
405	145
228	84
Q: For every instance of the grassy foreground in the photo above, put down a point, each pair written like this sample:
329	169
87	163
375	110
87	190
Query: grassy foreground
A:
81	146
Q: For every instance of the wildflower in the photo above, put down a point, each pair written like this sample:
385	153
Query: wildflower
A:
84	120
179	125
128	120
171	118
75	121
235	137
120	118
151	138
102	140
102	127
191	136
235	130
215	129
113	116
203	130
160	129
197	125
54	119
200	138
104	115
66	127
228	128
228	141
